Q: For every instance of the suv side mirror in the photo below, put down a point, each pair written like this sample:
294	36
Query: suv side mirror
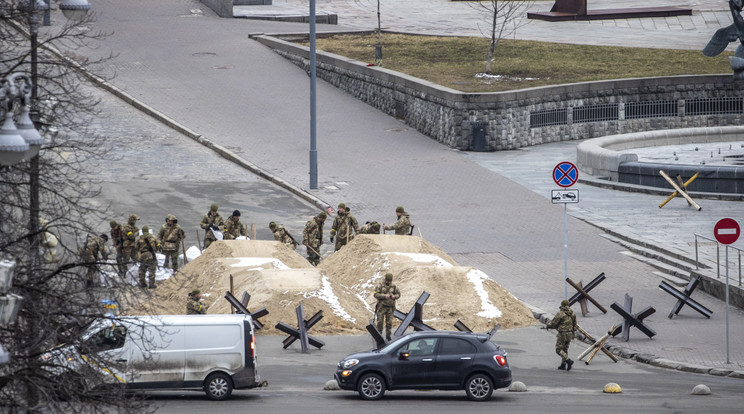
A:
403	355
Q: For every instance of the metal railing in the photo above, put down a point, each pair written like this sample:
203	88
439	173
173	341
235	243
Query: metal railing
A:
718	255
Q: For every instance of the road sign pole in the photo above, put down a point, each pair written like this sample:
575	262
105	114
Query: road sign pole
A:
565	251
728	361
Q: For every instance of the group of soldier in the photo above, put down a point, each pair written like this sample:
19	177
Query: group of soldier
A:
343	229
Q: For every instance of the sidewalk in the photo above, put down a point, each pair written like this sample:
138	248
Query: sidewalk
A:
489	211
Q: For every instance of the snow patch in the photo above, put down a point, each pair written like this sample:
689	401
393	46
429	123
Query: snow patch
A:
476	277
326	294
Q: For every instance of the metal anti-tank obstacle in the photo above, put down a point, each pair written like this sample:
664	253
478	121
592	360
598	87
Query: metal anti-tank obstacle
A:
630	319
301	332
683	298
242	307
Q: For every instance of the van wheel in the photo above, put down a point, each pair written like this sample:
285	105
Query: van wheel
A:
218	386
479	387
371	387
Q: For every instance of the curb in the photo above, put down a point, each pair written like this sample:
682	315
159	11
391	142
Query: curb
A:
649	359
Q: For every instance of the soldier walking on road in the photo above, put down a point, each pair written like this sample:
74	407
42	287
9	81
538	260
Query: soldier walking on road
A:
342	226
233	227
403	225
92	252
312	237
282	235
194	305
211	221
117	238
171	236
386	294
565	322
131	232
146	246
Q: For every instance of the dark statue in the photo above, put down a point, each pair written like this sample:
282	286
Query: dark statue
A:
726	35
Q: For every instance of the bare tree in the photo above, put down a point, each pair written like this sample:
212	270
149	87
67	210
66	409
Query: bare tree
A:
504	17
57	306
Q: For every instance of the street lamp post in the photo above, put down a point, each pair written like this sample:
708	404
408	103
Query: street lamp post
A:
74	10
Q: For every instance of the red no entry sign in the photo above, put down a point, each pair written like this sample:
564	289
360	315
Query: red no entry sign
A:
565	174
726	231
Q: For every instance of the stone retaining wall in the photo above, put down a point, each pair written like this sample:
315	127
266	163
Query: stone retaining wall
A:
526	117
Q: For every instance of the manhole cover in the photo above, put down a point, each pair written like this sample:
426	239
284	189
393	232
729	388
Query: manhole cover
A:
223	67
200	54
396	129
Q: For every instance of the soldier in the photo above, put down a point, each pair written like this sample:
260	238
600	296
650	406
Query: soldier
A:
565	322
370	228
93	249
171	235
233	227
146	246
312	237
131	231
117	238
282	235
386	294
342	226
211	221
193	304
403	225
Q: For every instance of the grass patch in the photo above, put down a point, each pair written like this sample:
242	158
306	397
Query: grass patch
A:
459	62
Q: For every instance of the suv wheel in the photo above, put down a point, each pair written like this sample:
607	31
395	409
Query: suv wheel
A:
371	387
479	387
218	386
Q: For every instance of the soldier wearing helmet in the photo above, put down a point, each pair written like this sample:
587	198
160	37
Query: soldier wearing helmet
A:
171	235
386	294
342	226
565	322
312	237
129	237
211	222
282	235
146	246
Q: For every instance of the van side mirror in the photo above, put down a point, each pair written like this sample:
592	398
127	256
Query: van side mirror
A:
403	355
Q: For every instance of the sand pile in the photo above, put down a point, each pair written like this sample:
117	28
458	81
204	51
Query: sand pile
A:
279	279
456	292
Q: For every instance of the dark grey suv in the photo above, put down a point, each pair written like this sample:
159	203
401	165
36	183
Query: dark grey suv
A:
428	360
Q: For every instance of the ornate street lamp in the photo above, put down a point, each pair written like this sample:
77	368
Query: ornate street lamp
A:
74	10
18	141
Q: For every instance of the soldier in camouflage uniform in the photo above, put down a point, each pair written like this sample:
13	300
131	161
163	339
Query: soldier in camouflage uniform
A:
193	304
171	235
117	238
92	252
370	228
233	227
403	225
312	237
146	246
282	235
211	221
386	294
131	232
565	322
342	226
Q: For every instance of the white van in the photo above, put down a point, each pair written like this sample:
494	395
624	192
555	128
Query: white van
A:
213	353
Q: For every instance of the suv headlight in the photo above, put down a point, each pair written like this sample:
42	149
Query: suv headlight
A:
350	363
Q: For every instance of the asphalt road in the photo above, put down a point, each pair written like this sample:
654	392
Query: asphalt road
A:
296	385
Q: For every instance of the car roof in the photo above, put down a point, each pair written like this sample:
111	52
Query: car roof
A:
457	334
